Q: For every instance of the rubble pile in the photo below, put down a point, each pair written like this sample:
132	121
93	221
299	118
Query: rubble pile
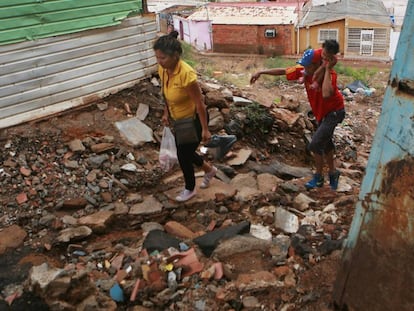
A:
87	209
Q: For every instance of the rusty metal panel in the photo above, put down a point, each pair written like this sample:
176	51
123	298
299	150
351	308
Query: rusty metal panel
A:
376	271
50	75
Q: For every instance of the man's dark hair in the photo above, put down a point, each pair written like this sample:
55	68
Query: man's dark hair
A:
331	46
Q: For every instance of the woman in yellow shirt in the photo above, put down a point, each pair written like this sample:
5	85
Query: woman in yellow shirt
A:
183	100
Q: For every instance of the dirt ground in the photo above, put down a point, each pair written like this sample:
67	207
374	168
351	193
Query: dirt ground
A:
90	121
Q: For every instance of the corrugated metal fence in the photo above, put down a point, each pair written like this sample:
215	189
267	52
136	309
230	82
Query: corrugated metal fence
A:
53	74
91	60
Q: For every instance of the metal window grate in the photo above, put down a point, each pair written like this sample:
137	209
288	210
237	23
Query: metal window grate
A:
327	34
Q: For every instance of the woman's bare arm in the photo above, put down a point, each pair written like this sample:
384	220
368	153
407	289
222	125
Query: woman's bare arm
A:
194	91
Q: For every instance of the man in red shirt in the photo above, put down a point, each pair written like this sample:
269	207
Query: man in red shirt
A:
326	102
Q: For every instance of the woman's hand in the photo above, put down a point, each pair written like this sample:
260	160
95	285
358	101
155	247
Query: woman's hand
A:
165	120
205	136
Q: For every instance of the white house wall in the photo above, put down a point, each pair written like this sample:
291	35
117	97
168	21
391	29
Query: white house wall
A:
394	37
51	75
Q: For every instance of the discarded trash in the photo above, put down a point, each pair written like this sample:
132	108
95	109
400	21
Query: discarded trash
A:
166	267
179	272
79	253
188	261
346	92
209	241
183	246
370	91
135	290
354	86
172	281
234	127
117	293
168	150
360	88
220	145
159	240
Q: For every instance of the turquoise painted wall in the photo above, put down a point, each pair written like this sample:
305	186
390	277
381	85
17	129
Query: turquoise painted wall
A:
22	20
377	264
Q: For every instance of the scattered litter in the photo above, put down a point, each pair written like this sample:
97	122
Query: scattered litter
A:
116	293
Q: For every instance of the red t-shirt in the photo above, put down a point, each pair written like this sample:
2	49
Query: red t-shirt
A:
320	106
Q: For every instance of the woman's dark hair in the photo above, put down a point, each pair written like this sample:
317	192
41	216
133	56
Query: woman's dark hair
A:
169	44
331	46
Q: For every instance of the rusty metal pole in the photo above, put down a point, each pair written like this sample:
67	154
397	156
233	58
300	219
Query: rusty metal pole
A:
144	6
377	270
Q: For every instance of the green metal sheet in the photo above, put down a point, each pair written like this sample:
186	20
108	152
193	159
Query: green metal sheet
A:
22	20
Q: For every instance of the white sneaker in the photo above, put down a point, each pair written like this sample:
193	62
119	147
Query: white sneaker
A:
208	177
185	195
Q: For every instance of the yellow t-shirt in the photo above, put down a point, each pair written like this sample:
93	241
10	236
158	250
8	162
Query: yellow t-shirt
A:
179	102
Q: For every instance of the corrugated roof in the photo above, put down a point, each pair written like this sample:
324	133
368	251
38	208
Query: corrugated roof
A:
160	5
244	13
366	10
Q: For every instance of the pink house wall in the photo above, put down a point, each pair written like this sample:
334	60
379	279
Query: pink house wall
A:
196	33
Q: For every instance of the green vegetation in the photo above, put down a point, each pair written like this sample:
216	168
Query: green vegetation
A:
238	80
351	74
239	76
258	119
279	62
365	75
188	54
205	68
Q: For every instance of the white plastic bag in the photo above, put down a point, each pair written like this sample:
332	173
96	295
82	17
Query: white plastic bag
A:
168	150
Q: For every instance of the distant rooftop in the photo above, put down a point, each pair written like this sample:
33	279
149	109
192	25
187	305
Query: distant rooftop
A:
159	5
373	11
243	13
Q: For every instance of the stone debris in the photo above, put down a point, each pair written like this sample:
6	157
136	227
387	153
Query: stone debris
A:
99	200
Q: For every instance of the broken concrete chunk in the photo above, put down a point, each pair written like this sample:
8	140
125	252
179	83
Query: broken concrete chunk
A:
135	131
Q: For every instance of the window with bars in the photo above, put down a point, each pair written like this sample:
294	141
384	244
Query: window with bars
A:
379	40
326	34
354	40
